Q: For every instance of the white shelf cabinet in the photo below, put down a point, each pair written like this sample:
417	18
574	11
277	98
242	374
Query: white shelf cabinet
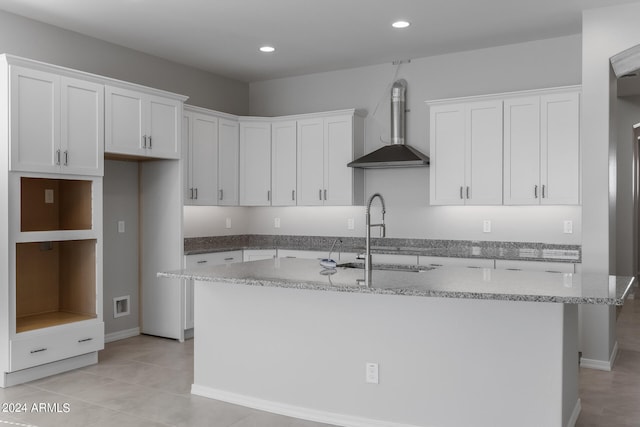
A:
325	145
255	163
141	124
57	123
542	149
283	163
466	153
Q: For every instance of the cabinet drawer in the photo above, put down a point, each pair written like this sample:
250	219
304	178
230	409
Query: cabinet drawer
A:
456	262
213	258
548	266
51	347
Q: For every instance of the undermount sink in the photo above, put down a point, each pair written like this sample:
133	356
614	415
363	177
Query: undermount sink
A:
388	267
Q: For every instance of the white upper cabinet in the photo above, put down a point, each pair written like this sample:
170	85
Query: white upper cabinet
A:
283	163
201	142
228	162
560	149
56	124
310	162
520	148
255	163
142	125
522	151
325	146
542	149
466	153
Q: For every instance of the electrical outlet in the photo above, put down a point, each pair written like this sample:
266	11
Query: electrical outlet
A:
276	222
120	226
227	223
486	226
350	224
48	196
372	373
568	227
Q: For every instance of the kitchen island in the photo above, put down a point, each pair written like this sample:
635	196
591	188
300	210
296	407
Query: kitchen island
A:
452	346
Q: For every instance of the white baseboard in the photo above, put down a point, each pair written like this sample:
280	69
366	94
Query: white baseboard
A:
601	365
292	410
48	369
575	414
120	335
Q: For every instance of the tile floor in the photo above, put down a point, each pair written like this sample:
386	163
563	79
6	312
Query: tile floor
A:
145	381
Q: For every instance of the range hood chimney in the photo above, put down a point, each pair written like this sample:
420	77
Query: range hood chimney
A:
397	154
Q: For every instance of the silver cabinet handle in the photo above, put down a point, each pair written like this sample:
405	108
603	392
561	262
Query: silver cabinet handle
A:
320	194
150	143
467	191
229	259
39	350
535	191
196	189
461	189
66	157
268	195
544	187
221	194
57	157
144	144
85	340
293	194
325	194
202	261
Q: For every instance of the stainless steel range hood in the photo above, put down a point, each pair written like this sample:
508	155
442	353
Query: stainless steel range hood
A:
396	155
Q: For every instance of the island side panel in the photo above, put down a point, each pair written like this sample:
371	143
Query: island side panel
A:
444	362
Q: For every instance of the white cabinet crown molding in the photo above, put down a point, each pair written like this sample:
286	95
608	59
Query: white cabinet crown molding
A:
504	95
69	72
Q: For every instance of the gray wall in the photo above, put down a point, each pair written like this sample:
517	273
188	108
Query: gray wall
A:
538	64
120	249
35	40
628	114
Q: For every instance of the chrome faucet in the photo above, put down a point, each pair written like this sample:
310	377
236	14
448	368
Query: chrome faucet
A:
367	255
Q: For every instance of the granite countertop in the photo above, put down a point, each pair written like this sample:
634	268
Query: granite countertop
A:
523	251
445	282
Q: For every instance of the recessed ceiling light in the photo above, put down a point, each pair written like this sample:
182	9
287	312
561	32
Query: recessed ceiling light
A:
401	24
267	49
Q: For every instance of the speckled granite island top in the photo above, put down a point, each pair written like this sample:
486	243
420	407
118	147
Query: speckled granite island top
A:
445	282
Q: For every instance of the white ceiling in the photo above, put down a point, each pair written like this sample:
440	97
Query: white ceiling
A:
223	36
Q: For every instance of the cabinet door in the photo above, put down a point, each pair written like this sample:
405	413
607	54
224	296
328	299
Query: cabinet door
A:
228	163
310	172
483	153
560	149
204	159
338	151
447	151
187	181
283	163
35	118
522	151
123	121
255	164
82	127
163	131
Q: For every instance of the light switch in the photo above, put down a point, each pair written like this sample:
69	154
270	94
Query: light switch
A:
276	222
486	226
350	224
228	223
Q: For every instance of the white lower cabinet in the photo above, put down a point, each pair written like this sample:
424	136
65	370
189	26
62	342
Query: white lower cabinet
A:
435	261
203	260
40	348
258	254
548	266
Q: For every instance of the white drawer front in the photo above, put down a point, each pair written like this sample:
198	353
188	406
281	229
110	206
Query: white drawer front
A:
50	347
456	262
213	258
